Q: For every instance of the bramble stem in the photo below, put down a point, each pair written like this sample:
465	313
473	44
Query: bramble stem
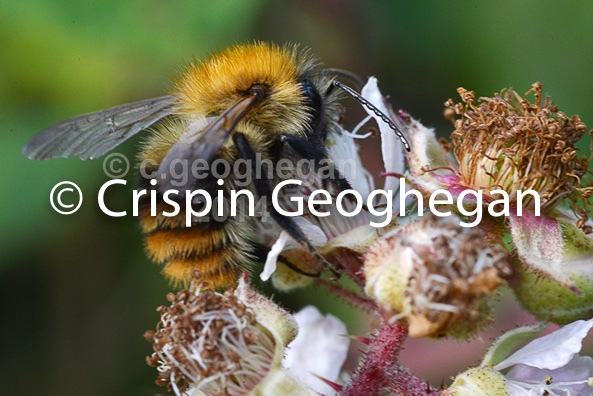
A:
349	296
379	372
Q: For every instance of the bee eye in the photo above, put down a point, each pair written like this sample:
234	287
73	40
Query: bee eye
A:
258	90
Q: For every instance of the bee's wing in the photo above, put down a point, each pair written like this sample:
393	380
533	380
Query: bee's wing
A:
201	145
92	135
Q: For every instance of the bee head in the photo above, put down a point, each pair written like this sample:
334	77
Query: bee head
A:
286	80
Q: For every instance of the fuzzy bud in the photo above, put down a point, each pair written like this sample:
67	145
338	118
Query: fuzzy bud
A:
479	381
549	300
554	279
437	276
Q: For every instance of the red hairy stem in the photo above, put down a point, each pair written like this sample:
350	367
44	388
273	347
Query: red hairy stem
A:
379	372
349	296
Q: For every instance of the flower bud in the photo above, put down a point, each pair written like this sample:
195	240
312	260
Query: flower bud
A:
479	381
549	300
431	166
436	275
555	278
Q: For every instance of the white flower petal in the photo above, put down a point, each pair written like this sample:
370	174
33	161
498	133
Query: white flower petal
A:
551	351
344	152
318	348
580	368
285	242
272	258
313	232
517	390
391	147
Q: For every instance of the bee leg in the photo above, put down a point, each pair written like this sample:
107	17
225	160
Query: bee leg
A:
306	149
261	252
264	188
315	150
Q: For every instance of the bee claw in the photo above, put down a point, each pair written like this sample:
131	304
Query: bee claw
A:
336	273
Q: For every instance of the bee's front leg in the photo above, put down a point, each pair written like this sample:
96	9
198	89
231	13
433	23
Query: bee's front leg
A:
264	188
314	149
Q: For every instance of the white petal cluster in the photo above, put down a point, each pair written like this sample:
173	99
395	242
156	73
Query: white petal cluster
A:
550	365
547	366
319	349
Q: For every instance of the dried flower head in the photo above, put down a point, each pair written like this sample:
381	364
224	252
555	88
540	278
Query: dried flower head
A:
508	143
436	275
211	342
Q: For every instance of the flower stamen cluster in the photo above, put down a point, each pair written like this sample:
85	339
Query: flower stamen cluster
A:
508	143
211	342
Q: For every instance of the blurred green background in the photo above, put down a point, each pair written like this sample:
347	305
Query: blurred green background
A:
77	291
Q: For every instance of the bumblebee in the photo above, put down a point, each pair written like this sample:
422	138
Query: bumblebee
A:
248	101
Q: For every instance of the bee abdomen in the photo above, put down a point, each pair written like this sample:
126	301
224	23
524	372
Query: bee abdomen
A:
219	250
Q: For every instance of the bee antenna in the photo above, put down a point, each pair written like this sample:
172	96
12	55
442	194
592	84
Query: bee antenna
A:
375	110
348	75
